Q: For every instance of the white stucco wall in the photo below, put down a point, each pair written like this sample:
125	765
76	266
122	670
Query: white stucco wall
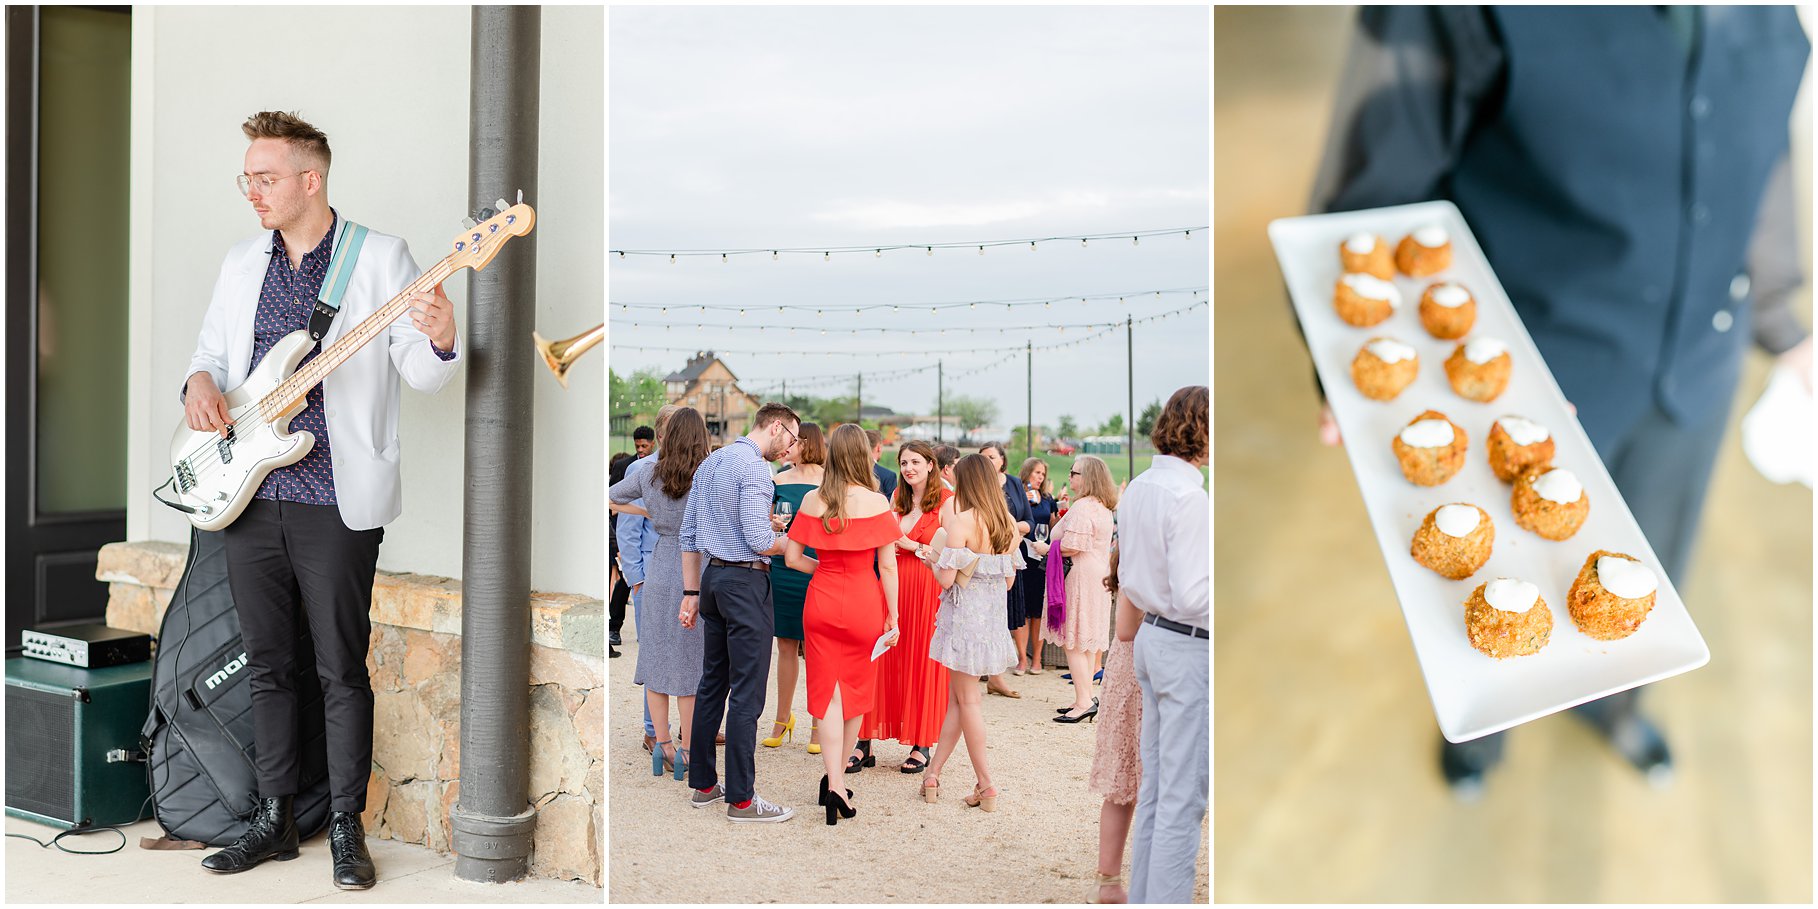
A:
389	85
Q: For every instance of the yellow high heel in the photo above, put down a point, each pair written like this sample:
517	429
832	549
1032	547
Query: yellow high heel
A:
814	747
788	732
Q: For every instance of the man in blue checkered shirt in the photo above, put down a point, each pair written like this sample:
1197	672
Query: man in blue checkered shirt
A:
727	523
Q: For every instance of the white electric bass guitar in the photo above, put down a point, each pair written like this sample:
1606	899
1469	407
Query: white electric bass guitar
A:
214	475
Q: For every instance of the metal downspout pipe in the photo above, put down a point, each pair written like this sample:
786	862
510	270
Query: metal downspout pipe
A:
493	819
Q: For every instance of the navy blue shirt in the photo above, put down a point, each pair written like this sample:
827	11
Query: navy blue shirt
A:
286	300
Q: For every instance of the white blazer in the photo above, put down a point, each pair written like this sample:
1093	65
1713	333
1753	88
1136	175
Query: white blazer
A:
360	398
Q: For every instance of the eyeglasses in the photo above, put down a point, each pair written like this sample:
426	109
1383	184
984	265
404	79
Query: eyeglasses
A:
794	437
263	181
1073	473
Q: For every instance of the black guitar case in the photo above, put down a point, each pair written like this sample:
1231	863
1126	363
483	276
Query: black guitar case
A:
199	737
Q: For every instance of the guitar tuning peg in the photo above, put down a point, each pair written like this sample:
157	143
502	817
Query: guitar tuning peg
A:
501	204
520	197
485	214
468	223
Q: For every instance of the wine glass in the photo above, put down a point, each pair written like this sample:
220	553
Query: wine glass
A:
1041	533
784	510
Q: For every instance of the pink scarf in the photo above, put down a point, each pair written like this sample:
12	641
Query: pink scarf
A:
1057	584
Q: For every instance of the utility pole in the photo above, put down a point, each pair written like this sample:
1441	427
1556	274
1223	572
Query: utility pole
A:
858	409
1029	429
940	404
1130	386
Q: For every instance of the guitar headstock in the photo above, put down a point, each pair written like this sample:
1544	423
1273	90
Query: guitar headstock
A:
475	246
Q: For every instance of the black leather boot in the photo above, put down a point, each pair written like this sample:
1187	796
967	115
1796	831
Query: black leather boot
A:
272	835
347	843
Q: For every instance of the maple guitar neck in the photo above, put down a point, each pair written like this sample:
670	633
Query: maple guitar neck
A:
289	393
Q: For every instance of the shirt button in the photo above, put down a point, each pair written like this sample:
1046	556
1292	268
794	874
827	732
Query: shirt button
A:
1700	213
1722	320
1739	287
1701	107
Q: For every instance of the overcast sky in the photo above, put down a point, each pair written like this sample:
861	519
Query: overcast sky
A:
743	127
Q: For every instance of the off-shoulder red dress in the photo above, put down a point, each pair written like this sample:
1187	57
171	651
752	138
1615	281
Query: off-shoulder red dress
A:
843	613
912	688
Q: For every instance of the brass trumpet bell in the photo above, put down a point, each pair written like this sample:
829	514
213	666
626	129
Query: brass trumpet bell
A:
559	355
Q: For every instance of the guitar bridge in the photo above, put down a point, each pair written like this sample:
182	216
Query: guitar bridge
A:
186	477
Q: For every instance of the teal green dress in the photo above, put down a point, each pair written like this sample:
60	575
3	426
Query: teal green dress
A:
788	586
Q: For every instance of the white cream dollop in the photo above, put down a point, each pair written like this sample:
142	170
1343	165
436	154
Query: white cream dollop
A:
1456	520
1371	287
1451	296
1432	236
1626	578
1523	431
1389	350
1559	485
1483	350
1360	243
1511	594
1427	434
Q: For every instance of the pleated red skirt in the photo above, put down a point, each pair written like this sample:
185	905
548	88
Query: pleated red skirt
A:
911	700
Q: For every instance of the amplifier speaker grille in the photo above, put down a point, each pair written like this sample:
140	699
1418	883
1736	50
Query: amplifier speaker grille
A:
40	752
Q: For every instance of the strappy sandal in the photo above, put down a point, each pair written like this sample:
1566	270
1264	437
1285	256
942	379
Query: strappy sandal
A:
931	789
861	759
916	762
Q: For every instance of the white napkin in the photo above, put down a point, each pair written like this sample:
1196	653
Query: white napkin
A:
883	643
1777	432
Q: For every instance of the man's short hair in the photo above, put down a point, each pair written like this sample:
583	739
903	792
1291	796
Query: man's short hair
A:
946	456
1182	430
772	412
874	438
645	433
308	144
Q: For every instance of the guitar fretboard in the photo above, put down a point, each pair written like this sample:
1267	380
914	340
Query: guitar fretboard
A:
292	389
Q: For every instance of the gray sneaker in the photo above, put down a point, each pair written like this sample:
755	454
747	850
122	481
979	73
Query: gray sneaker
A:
759	812
701	799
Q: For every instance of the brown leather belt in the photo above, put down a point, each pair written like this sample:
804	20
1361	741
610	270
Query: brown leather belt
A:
761	565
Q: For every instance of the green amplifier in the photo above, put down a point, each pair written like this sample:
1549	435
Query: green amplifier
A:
72	743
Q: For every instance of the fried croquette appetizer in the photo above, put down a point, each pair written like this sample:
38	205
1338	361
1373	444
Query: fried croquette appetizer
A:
1550	502
1430	449
1612	595
1424	252
1383	367
1507	618
1448	311
1454	540
1516	445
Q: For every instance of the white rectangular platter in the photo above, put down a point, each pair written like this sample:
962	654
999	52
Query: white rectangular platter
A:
1473	694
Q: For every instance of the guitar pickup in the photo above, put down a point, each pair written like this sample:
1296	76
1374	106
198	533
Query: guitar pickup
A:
226	446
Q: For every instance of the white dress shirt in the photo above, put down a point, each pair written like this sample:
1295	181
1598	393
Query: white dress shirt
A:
1164	530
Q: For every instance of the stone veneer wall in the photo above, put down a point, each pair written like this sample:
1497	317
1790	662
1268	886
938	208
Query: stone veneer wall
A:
415	662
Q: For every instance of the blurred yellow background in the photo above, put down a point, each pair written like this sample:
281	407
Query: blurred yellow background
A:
1326	777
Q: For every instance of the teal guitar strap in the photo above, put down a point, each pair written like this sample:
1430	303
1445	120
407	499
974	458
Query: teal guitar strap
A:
340	274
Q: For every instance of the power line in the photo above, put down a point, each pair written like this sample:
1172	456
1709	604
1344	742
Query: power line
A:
827	252
821	309
885	329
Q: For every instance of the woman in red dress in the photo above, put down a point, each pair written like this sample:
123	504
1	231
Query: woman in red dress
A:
912	688
848	607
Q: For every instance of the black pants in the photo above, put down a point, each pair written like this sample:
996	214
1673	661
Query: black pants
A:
738	624
1662	470
621	594
284	558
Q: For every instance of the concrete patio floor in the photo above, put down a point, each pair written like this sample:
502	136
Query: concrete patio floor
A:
407	874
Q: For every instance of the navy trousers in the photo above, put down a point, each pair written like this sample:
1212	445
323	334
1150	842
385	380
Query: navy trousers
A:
739	625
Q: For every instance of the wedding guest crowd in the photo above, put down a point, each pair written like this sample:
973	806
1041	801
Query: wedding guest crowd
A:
955	572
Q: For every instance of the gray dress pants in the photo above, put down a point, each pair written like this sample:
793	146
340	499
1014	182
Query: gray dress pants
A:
1172	669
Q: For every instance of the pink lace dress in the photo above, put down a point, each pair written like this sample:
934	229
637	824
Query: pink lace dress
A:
1117	764
1087	527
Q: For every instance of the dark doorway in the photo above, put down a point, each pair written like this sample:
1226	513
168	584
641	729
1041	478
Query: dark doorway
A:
68	103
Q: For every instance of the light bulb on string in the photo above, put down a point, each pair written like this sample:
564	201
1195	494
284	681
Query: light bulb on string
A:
672	258
827	257
981	250
1082	243
621	254
1135	241
877	254
723	259
1032	246
931	250
774	256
